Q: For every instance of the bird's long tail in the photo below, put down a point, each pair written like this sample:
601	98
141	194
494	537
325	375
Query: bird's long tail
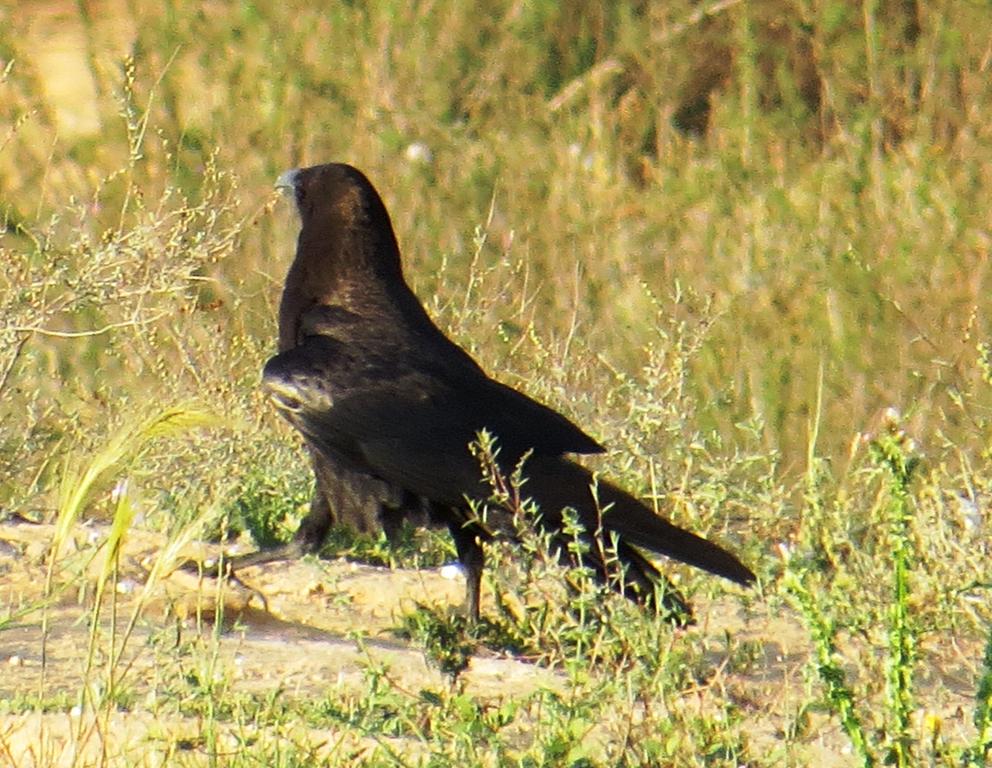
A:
555	483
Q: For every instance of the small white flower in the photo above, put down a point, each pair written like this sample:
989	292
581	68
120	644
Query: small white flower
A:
120	490
970	512
418	152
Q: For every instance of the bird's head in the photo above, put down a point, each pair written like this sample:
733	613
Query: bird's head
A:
343	219
332	193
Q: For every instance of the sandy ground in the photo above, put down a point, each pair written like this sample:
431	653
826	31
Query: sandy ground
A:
293	632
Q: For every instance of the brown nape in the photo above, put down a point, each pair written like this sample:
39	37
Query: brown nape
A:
346	254
388	407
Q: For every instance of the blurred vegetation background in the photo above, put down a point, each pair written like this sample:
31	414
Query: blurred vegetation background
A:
713	230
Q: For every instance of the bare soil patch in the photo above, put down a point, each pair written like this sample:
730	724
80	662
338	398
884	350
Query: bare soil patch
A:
313	629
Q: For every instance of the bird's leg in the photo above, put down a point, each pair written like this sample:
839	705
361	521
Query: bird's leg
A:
309	538
472	557
391	519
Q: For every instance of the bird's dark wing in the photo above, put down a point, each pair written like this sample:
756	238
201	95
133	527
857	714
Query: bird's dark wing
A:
367	405
427	371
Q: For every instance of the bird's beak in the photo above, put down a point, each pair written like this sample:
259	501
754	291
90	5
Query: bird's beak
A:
286	183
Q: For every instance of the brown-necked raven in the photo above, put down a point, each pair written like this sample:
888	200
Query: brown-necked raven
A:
389	406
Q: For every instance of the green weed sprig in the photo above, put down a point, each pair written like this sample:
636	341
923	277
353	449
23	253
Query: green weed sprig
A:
895	452
978	753
839	694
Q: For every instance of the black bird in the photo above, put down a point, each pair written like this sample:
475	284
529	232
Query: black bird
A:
388	406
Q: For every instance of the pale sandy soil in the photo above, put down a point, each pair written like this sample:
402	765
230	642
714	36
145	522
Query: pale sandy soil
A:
292	634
